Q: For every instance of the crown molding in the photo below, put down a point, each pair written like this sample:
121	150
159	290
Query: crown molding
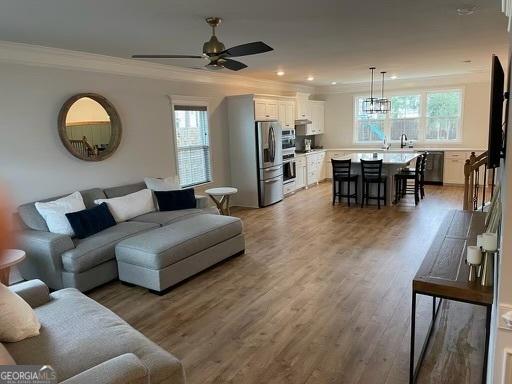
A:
420	82
36	55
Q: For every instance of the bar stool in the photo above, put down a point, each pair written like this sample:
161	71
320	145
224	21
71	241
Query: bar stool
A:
372	174
423	159
422	174
402	187
341	174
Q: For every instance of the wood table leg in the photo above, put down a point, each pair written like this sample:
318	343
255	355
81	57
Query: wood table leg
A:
222	204
4	275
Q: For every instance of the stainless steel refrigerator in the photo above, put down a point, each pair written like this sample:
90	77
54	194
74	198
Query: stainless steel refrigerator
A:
270	162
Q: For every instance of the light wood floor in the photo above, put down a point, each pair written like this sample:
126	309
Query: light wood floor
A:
322	295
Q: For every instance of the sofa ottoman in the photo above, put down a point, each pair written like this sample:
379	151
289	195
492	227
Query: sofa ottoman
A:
162	257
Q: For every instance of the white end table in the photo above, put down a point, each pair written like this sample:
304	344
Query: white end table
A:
8	259
220	197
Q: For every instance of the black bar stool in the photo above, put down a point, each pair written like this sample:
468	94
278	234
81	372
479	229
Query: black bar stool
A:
341	174
422	174
423	166
401	181
371	171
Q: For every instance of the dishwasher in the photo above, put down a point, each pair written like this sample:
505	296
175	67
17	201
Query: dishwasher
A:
434	168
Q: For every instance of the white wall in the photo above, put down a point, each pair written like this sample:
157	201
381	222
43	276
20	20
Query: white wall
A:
33	162
339	116
502	337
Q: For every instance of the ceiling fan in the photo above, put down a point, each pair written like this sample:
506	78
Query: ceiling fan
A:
216	53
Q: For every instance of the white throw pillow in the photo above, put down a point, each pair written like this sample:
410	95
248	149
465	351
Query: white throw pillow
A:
17	320
54	212
127	207
168	184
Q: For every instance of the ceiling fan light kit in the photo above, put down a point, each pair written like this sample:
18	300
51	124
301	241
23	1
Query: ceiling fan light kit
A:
216	53
376	105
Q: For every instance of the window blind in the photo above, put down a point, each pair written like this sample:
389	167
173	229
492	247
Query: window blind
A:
192	142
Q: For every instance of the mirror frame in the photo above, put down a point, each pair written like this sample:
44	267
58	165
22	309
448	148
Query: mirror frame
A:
115	121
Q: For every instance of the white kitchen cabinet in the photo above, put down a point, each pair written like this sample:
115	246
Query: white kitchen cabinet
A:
286	114
317	117
321	117
289	188
315	111
266	109
314	167
304	108
300	172
454	167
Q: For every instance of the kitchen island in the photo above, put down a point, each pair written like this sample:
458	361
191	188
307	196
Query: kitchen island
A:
392	162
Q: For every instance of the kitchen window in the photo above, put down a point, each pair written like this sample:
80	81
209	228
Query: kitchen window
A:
422	116
192	144
405	117
369	127
443	115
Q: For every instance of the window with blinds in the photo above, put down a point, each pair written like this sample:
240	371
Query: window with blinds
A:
193	144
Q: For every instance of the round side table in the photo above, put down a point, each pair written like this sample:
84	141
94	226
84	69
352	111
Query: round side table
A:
220	197
8	259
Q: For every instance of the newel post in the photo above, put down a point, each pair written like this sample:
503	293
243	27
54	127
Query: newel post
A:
467	195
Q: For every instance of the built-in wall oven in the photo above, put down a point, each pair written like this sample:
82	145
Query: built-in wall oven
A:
288	168
288	141
288	144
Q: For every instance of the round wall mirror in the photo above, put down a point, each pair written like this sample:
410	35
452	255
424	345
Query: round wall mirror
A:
89	127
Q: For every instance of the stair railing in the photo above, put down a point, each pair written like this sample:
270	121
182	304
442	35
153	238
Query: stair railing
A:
477	196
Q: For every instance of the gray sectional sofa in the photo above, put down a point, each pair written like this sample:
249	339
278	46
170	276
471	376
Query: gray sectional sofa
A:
72	329
182	250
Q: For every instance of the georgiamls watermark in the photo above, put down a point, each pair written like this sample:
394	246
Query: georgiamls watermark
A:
27	374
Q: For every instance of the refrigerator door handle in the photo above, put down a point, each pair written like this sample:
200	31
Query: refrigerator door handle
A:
271	181
273	168
272	144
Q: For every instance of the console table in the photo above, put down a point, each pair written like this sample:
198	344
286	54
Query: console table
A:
444	275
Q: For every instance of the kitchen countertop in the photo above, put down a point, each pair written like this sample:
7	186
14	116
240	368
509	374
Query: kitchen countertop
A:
395	149
388	158
297	154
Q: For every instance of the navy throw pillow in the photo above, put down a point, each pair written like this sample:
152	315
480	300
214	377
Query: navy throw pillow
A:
90	221
176	200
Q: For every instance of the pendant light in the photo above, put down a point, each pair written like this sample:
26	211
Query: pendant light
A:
384	104
370	104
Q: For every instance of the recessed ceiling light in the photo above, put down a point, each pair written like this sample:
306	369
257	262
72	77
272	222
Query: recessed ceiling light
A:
394	77
280	73
466	11
333	83
310	78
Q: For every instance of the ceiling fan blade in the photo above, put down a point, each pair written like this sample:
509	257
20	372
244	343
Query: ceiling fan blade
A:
232	64
167	57
247	49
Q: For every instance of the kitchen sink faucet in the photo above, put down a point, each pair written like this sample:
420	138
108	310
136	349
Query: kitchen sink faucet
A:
403	140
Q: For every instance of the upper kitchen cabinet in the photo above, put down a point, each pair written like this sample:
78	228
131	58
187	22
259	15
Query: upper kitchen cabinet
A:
266	109
316	109
317	116
304	110
286	114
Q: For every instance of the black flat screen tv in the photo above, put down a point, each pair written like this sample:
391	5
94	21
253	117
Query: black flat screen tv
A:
495	145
